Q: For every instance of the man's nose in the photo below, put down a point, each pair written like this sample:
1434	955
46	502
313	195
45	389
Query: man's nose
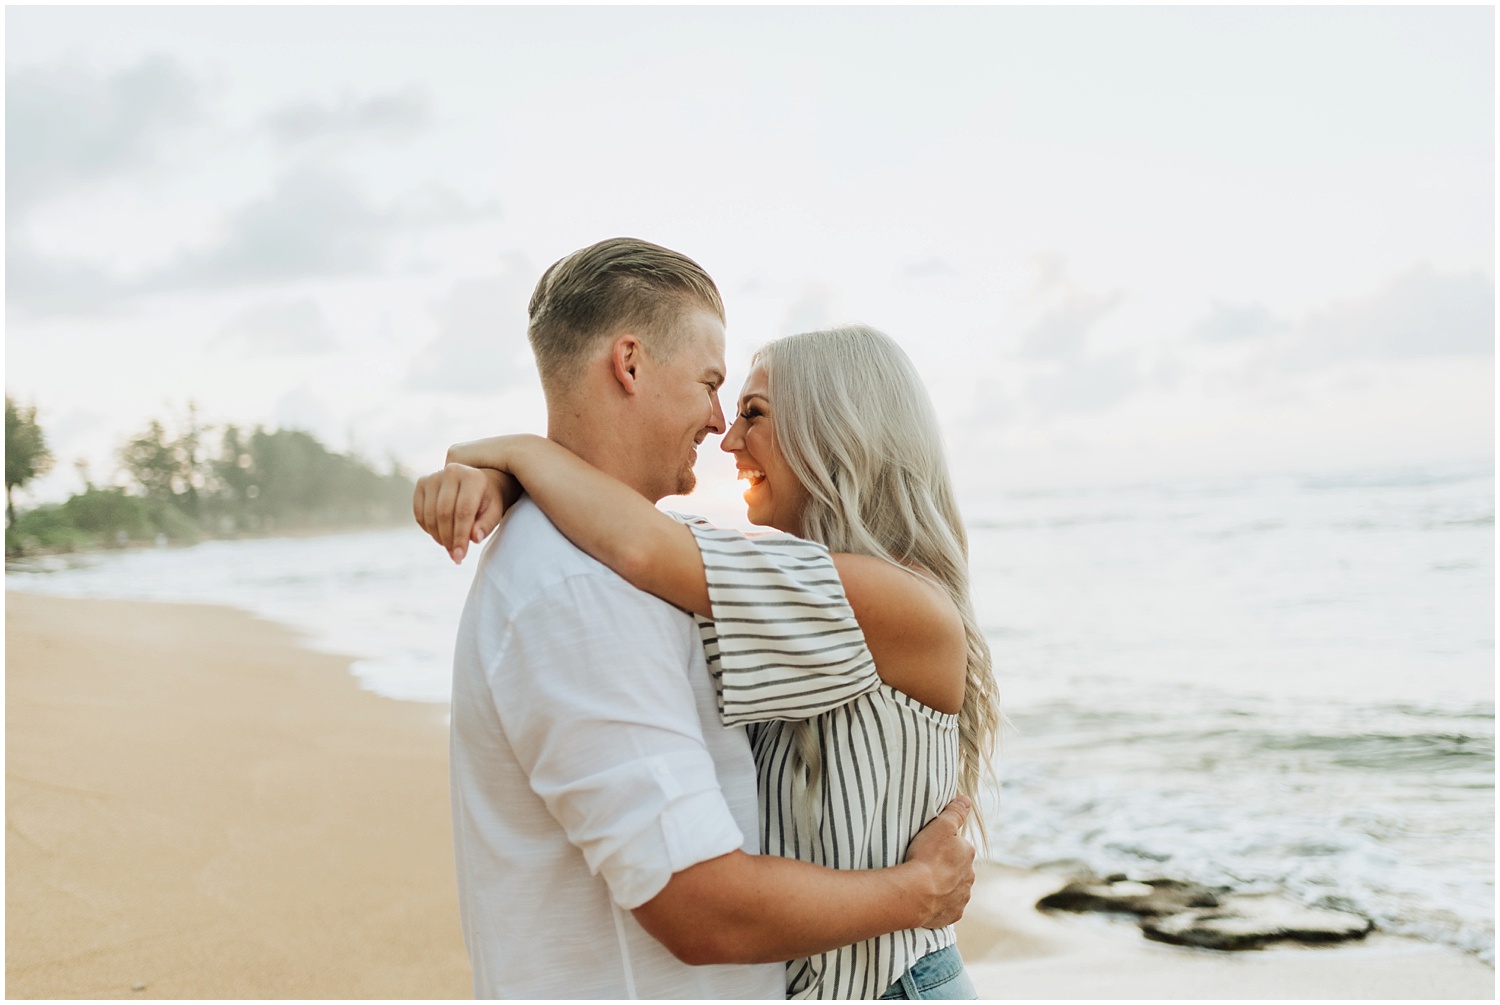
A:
716	424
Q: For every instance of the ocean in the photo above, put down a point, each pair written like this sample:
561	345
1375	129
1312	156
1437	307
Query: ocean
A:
1274	683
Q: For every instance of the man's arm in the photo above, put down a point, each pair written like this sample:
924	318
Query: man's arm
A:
593	693
742	908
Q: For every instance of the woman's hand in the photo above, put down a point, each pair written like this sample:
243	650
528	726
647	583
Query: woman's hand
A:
460	505
941	848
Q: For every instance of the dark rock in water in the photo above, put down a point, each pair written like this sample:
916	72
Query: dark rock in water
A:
1190	914
1250	922
1149	898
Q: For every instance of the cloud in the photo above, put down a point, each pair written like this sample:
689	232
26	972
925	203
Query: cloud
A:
280	328
1061	331
929	268
38	284
1067	314
811	310
312	224
1087	385
480	347
1420	313
301	408
393	115
1229	323
65	126
1051	270
436	205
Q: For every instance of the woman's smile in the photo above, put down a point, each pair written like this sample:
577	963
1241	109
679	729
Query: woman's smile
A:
775	497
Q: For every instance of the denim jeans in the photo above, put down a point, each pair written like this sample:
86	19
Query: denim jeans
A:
936	976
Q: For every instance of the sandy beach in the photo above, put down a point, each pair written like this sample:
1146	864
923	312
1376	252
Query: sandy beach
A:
196	807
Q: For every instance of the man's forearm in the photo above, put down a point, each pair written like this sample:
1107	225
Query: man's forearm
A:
741	908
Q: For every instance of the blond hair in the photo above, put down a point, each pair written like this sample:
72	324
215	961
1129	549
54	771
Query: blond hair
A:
618	284
856	425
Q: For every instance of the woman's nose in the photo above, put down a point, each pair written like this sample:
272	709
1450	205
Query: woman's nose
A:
734	439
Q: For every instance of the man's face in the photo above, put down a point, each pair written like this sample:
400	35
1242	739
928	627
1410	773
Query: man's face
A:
683	398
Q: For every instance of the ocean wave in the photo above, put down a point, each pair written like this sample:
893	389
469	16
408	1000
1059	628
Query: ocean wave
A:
1400	478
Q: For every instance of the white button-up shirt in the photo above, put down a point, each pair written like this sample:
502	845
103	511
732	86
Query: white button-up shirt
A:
588	766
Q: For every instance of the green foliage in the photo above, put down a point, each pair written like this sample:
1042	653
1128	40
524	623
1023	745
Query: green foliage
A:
98	517
152	461
109	512
47	528
176	525
293	479
257	483
26	453
167	470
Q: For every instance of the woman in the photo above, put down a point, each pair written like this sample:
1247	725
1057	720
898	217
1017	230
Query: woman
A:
838	440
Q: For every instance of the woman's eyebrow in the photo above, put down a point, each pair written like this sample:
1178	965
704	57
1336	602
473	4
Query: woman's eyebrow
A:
753	394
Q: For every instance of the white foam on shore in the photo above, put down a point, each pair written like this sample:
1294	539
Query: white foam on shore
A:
388	598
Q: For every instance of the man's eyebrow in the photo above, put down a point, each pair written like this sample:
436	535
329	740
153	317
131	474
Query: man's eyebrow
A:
715	375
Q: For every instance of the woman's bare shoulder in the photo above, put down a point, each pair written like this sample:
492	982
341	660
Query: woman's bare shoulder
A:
912	626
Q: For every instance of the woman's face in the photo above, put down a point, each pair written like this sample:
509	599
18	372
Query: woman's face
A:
775	497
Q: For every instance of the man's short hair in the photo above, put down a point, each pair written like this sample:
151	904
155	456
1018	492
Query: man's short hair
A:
619	284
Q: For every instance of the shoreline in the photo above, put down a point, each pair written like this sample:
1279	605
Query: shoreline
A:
19	560
200	806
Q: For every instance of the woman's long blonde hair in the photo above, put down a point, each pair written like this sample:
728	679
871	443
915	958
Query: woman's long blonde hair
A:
855	424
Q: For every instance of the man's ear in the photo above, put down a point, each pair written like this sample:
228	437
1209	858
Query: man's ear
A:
626	356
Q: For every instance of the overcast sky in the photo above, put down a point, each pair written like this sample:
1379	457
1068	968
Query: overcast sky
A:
1120	244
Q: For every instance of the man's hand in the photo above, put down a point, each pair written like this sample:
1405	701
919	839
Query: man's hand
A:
942	848
460	505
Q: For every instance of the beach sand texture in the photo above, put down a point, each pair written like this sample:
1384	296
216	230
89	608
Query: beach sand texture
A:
198	808
195	805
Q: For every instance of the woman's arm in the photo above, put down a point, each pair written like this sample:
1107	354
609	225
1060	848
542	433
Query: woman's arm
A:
600	514
910	625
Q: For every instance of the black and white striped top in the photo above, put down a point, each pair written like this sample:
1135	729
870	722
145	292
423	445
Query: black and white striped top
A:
784	650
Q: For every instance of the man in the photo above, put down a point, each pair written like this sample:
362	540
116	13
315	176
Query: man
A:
604	819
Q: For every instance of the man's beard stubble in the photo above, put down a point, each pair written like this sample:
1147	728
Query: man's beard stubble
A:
687	478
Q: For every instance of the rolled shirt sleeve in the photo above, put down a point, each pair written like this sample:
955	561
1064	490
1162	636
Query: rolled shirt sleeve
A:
783	643
604	723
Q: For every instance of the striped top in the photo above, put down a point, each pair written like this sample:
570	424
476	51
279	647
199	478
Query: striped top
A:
784	650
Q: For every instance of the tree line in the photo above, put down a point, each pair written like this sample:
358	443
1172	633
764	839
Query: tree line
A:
195	481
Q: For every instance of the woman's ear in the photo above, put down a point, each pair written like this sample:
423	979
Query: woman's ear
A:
626	356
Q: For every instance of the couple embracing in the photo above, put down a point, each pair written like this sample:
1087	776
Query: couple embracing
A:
689	762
